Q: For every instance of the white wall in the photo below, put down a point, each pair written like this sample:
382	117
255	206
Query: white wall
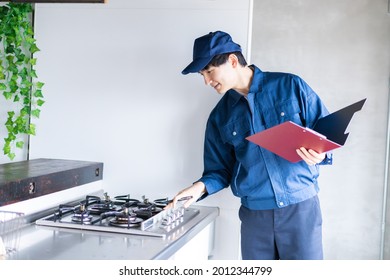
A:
341	48
115	94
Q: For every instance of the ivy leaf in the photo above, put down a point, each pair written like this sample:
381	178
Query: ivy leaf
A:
7	95
39	85
7	147
19	144
33	61
12	68
25	110
35	113
11	114
26	101
38	93
25	91
32	129
33	74
23	73
3	86
30	40
13	85
21	57
40	102
27	83
10	128
34	48
10	49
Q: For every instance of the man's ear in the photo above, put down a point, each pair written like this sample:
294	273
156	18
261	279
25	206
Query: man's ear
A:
233	60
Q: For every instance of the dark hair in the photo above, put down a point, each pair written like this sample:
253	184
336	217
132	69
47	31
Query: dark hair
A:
222	58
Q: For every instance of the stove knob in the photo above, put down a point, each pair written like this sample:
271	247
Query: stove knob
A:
167	220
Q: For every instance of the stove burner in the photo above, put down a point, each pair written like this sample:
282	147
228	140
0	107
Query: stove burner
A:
146	209
127	200
96	205
101	208
125	218
80	214
126	222
82	218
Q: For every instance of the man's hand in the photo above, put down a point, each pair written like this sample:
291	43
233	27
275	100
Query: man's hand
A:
309	156
194	192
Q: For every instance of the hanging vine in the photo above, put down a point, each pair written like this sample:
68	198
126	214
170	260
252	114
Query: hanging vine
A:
18	78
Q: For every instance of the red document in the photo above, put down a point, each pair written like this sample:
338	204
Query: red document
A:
328	134
285	138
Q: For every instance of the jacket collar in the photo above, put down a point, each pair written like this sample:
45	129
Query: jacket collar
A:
256	85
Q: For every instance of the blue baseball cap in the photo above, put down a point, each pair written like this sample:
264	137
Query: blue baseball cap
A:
208	46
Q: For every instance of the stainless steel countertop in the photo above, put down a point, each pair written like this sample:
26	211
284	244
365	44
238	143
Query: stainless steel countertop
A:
52	243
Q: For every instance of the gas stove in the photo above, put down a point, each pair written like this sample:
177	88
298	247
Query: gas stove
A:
122	214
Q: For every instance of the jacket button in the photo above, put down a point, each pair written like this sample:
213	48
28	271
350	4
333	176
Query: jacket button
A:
282	114
234	133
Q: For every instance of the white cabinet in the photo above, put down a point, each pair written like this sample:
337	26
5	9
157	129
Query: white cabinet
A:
200	247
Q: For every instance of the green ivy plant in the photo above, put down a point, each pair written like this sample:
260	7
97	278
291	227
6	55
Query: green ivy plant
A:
18	78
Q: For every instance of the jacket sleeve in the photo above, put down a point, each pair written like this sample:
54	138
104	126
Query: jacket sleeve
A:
218	159
312	110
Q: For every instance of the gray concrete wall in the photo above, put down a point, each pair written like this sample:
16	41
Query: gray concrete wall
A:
341	48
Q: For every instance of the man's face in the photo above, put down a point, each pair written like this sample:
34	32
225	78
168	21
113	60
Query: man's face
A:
220	78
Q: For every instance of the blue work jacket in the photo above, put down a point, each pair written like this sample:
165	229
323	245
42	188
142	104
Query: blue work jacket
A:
261	179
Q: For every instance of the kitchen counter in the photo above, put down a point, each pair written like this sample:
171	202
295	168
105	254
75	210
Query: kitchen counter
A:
52	243
37	188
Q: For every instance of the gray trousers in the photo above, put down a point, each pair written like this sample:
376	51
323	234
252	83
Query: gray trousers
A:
293	232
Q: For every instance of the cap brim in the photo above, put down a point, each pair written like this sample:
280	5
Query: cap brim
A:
196	66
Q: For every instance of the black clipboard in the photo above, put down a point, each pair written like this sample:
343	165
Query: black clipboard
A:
327	134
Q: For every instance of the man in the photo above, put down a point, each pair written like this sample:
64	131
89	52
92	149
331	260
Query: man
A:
280	212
